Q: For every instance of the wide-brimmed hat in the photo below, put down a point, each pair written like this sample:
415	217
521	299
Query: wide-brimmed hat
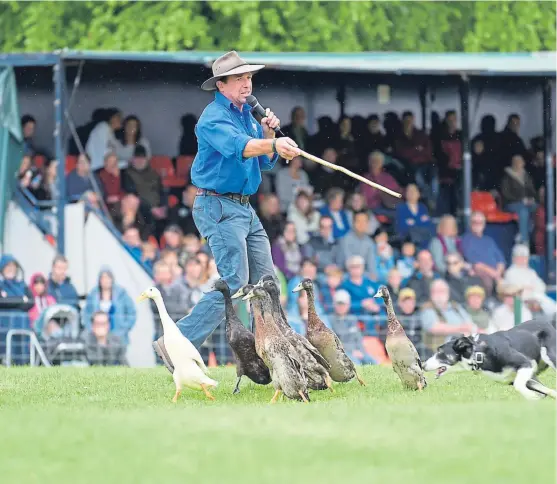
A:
228	65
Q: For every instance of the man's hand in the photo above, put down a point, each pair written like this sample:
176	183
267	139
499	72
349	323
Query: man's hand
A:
370	305
287	148
159	212
269	123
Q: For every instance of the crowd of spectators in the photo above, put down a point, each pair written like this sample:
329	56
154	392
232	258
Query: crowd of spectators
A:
347	237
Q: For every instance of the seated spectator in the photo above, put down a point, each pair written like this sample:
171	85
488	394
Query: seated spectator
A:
304	217
333	279
193	272
286	252
414	148
307	271
174	294
29	175
210	276
110	183
380	202
475	298
520	274
30	147
42	300
334	209
113	300
423	276
182	213
540	224
519	196
78	180
361	289
102	138
407	260
270	216
320	247
394	283
412	218
11	279
130	136
357	242
149	254
102	347
324	178
172	237
483	253
298	313
48	187
289	181
374	139
502	318
357	203
442	318
346	327
385	256
536	163
59	285
172	261
132	242
130	216
297	129
459	277
445	241
346	146
141	180
191	246
406	303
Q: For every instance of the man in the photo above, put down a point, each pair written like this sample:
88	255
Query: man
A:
233	150
59	284
102	347
360	287
423	276
378	201
181	214
458	278
321	245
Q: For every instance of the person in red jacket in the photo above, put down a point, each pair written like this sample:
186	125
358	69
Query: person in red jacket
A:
42	299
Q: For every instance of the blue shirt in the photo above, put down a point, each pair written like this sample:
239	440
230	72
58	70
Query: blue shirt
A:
481	249
366	290
223	131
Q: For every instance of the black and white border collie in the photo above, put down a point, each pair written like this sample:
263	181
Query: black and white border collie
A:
515	356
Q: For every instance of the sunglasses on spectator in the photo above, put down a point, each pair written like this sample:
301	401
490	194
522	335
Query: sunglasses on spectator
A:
453	262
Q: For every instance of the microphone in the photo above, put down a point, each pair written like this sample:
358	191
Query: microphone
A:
259	111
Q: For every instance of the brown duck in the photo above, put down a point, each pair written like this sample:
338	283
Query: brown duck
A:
326	341
315	366
404	357
275	350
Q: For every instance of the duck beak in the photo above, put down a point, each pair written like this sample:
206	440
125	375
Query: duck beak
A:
298	288
142	297
249	295
378	294
239	293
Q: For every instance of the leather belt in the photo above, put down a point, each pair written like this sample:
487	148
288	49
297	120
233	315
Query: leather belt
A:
243	199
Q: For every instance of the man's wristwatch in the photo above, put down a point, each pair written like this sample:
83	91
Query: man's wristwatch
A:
275	145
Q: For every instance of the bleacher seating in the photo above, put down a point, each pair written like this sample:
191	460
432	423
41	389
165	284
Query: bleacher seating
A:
485	203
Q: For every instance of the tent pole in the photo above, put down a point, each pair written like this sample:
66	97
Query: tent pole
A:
549	184
423	106
59	73
466	154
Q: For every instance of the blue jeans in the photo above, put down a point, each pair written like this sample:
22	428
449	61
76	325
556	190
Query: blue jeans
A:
241	250
524	213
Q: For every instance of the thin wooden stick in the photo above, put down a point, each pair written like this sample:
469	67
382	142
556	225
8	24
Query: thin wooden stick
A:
349	173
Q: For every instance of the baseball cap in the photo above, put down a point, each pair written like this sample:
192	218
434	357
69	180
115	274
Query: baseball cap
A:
341	296
478	290
406	293
521	250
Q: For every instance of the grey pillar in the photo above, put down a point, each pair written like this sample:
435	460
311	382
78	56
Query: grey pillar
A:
59	75
549	184
466	150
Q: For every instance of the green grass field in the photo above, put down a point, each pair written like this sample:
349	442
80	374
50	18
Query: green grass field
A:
118	425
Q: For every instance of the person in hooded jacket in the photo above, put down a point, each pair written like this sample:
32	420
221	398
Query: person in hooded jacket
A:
113	300
42	300
59	284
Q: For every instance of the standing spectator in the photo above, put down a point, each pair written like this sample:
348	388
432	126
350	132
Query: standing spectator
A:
347	152
445	241
510	143
113	300
423	276
361	289
412	218
289	181
59	284
188	141
378	201
304	217
48	187
357	242
334	209
182	213
102	139
110	183
518	193
374	139
483	253
129	137
520	274
502	318
41	298
458	277
78	180
407	261
28	128
296	130
324	178
320	247
286	252
448	152
102	347
271	218
475	298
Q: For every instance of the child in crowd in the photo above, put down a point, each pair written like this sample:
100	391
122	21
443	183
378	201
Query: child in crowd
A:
407	261
385	255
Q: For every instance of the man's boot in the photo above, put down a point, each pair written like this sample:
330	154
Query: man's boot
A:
159	348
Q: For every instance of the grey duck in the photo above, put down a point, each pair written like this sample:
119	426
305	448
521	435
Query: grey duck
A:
314	365
404	357
342	368
242	342
276	351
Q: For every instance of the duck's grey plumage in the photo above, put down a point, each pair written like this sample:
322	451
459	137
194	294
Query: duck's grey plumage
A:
314	365
242	342
342	368
276	351
402	352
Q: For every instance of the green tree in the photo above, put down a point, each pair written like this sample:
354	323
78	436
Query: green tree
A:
286	26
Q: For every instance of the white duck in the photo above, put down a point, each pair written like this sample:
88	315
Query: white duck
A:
189	369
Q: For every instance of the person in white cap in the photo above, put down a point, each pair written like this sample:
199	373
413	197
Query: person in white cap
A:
521	275
233	149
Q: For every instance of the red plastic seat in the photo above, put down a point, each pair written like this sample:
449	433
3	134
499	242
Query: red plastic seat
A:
183	168
71	162
162	165
485	203
39	160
